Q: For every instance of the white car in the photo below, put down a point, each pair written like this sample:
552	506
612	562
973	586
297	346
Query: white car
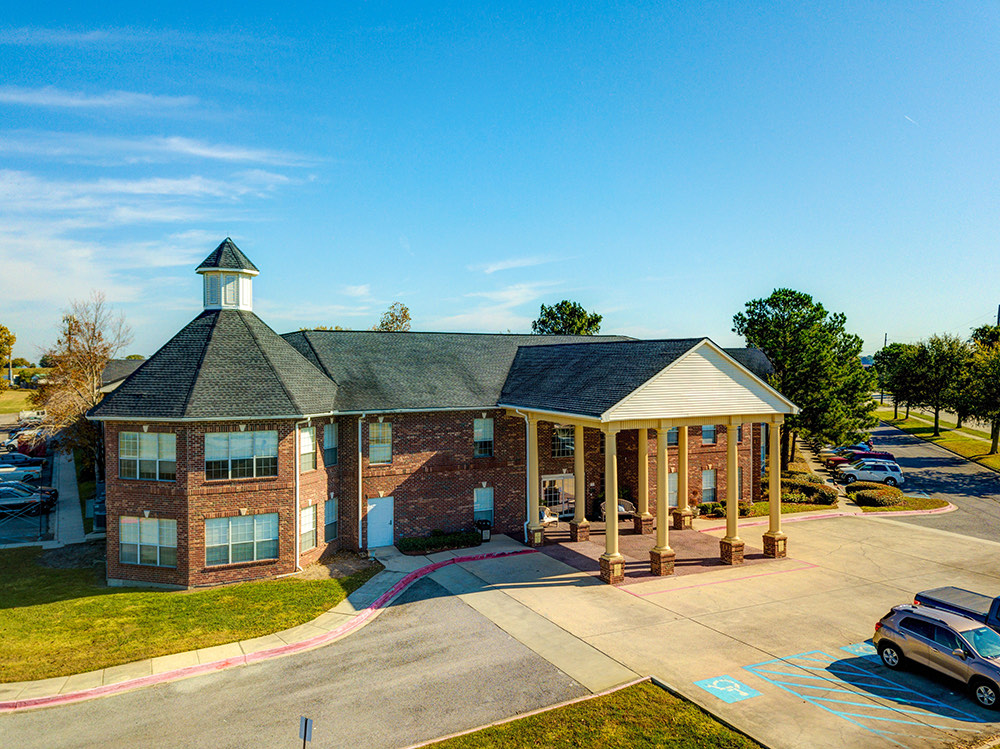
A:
19	473
880	471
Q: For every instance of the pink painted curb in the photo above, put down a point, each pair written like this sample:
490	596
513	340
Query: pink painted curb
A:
204	668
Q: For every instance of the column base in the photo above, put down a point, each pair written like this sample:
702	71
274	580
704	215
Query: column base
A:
683	519
775	545
612	569
579	531
643	524
731	550
661	561
536	537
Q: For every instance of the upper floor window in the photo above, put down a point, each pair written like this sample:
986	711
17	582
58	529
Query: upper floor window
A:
562	442
708	435
482	438
739	433
672	436
149	456
330	439
239	455
380	442
307	449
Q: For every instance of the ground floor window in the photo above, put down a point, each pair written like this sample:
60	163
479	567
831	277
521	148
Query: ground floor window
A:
149	541
559	493
247	538
330	518
672	489
482	504
708	485
307	528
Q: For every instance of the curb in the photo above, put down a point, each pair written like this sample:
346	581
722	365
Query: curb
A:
204	668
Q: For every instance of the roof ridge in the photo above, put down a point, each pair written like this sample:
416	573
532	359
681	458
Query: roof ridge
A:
322	366
263	353
201	360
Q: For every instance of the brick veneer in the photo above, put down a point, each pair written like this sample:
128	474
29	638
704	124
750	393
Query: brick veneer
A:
432	478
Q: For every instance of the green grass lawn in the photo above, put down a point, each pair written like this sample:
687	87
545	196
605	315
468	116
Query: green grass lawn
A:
639	716
958	441
912	503
13	401
56	622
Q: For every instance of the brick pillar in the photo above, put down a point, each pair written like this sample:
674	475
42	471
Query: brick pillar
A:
731	550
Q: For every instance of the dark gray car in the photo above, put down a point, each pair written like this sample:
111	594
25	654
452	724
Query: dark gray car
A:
954	645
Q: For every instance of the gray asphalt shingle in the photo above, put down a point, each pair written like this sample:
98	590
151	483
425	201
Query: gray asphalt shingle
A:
227	256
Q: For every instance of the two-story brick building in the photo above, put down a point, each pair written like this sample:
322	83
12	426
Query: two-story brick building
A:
235	453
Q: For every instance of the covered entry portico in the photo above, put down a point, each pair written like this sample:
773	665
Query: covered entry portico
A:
643	386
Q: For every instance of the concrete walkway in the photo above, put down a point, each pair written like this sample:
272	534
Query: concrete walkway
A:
68	515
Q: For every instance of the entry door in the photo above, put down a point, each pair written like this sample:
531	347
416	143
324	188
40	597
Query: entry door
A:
380	514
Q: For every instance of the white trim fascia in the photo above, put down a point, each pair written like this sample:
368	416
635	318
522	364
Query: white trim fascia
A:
793	409
244	271
190	419
566	414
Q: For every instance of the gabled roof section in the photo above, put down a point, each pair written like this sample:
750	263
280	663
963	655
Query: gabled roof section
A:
224	364
227	256
381	371
705	381
586	380
118	369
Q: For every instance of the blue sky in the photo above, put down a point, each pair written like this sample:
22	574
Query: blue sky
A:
660	163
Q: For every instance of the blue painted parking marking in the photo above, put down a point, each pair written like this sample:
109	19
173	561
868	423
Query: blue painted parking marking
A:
727	689
849	689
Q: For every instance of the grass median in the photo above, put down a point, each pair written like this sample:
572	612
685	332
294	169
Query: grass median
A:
964	443
639	716
912	503
60	621
14	401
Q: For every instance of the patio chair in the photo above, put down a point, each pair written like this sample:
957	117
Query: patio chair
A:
625	510
547	517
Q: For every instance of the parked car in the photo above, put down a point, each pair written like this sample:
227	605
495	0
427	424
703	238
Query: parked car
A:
881	471
19	473
13	502
840	448
956	646
960	601
49	491
20	459
852	455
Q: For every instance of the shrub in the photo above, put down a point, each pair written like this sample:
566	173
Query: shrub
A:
439	540
795	498
884	497
819	494
860	486
711	509
798	467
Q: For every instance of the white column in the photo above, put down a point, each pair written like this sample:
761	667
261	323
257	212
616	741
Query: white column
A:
683	493
579	479
662	491
611	493
643	508
534	482
732	485
774	478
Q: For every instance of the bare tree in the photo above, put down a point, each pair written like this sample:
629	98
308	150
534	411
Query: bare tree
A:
91	335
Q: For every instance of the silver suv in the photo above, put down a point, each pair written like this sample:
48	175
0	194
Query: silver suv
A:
958	647
882	471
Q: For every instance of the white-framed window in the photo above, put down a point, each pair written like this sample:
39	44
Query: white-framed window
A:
230	290
147	456
559	493
239	455
562	442
482	438
307	528
330	518
482	504
245	538
708	485
708	435
147	541
672	489
672	435
739	433
330	444
380	442
604	441
212	293
307	449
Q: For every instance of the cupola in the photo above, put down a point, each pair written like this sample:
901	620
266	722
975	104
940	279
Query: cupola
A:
228	275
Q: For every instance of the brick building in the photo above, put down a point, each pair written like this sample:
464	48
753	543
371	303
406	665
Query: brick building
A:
235	453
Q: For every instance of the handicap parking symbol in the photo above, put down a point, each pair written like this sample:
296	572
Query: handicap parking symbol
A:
727	689
862	649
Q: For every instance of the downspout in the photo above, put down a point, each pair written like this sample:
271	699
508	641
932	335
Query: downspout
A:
360	492
527	478
298	473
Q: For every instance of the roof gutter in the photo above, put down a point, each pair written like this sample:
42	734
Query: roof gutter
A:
360	492
547	412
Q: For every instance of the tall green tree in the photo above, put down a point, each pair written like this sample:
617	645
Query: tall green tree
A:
888	361
985	379
7	340
566	318
938	365
816	364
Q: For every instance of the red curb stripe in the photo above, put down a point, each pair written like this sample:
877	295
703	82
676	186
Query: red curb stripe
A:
203	668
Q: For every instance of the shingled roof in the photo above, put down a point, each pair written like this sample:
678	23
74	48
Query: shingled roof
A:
380	371
586	380
118	369
224	364
227	256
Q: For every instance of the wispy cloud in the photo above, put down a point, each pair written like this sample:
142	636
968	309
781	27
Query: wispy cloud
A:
499	265
362	291
95	149
35	36
499	313
49	96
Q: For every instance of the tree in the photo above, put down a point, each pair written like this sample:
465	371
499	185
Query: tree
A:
7	340
137	357
938	365
894	367
395	319
46	362
566	318
816	365
19	362
90	336
984	374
